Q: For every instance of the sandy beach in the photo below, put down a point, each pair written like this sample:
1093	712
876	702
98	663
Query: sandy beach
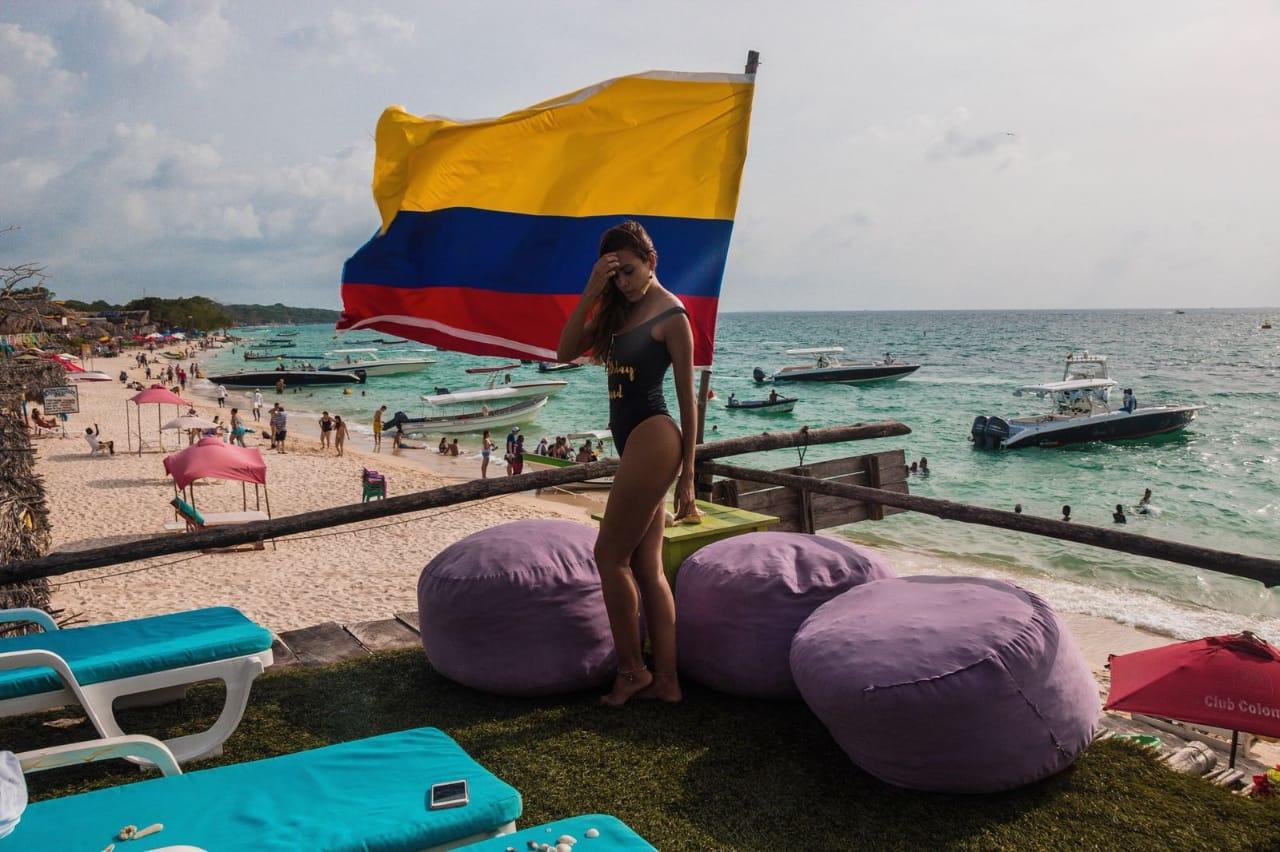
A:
355	573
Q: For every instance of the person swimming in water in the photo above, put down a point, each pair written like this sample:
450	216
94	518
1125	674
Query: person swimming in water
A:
638	330
1144	505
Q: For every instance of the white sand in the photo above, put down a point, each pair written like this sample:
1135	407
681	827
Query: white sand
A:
359	574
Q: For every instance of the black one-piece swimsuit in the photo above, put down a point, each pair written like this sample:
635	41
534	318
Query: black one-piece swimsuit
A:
636	365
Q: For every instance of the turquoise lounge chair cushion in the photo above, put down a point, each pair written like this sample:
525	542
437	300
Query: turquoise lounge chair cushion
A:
615	836
367	794
120	649
187	511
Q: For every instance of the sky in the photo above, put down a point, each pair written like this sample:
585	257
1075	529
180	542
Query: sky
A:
903	155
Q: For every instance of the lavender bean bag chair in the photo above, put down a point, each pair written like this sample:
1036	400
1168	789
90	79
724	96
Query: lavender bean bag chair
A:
951	684
516	610
739	602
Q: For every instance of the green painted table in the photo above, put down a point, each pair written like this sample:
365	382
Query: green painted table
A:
718	522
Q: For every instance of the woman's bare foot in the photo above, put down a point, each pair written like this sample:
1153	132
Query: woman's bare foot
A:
626	685
665	687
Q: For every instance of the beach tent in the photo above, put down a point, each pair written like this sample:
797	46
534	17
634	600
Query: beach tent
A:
1230	682
156	395
209	458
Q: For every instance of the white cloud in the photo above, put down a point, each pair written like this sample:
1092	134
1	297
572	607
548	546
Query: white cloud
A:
194	40
29	49
346	39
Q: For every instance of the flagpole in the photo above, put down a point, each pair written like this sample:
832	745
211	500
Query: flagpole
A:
702	485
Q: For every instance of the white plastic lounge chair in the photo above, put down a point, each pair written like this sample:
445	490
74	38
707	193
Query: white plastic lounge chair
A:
360	795
608	834
95	665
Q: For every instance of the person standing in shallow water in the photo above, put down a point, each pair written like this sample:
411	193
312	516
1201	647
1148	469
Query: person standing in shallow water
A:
637	329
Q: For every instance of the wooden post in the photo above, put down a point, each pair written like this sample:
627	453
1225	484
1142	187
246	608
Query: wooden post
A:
875	511
702	481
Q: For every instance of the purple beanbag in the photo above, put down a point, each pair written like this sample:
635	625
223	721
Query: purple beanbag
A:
739	602
952	684
516	609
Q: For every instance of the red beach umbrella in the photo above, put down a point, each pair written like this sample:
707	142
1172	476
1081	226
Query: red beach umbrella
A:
1229	682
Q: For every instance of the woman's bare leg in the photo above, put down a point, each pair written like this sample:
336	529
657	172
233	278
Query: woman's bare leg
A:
640	485
659	609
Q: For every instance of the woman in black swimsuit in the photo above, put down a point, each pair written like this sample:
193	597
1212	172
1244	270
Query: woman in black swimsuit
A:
637	329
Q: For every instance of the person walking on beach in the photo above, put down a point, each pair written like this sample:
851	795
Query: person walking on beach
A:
511	449
222	396
517	455
339	433
637	329
279	428
237	427
326	427
256	398
377	429
486	449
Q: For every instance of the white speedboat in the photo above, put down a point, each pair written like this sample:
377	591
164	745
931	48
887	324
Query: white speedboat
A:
1082	412
494	391
827	367
524	411
374	365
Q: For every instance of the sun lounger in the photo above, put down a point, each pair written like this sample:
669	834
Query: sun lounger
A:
93	666
217	519
362	795
612	835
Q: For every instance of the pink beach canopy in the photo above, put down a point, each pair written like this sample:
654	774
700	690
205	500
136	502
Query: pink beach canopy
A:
211	459
157	395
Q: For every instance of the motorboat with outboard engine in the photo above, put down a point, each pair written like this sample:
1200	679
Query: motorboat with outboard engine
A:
827	367
292	378
510	391
549	367
523	411
776	405
1082	412
374	365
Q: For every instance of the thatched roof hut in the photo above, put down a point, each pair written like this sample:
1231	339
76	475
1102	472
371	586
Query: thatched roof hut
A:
24	514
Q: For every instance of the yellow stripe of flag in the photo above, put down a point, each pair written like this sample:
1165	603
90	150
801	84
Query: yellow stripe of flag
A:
659	144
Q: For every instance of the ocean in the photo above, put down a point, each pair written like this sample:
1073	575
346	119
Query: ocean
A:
1216	484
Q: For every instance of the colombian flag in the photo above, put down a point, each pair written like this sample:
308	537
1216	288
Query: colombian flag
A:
490	227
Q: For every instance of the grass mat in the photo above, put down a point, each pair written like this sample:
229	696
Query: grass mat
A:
712	773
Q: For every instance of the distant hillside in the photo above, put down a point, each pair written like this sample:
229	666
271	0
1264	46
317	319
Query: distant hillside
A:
200	312
278	313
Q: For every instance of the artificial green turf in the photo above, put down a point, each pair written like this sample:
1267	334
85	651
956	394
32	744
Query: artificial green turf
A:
712	773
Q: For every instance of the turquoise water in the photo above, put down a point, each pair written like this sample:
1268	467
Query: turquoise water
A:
1217	484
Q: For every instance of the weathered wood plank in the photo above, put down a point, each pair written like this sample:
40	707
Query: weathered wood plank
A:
385	635
322	644
282	655
409	620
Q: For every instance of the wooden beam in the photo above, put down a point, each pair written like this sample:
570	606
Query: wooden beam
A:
64	562
1266	571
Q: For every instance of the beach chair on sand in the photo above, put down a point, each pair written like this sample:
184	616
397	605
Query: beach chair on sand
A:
360	795
153	658
610	835
192	519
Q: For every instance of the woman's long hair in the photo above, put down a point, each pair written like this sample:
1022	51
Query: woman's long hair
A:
610	312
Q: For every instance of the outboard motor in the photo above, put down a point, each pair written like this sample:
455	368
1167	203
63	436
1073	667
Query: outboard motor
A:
361	375
759	375
996	432
978	431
